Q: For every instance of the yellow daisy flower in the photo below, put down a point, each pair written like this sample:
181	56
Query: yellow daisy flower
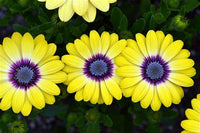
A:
29	72
153	69
84	8
91	69
192	125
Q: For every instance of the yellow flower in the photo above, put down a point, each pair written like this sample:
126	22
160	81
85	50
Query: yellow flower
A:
84	8
29	72
91	69
192	125
153	69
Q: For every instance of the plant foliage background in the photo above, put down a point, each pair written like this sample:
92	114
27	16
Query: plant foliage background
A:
181	18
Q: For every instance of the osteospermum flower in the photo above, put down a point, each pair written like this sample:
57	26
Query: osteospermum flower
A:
29	72
192	125
153	69
91	69
84	8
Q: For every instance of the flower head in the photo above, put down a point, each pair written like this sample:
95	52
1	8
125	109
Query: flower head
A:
29	72
153	69
85	8
91	69
193	115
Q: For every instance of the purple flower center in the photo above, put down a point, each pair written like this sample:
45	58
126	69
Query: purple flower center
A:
98	67
155	70
24	74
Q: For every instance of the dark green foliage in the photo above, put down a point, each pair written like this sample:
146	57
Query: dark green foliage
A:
177	17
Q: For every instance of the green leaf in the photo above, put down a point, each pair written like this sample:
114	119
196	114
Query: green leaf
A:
106	120
93	127
20	28
189	5
118	19
144	6
153	128
138	25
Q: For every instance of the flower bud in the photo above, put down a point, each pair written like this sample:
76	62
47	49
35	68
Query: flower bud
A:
179	22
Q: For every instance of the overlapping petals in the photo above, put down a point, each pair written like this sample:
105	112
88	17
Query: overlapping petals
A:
29	72
192	124
91	69
154	70
85	8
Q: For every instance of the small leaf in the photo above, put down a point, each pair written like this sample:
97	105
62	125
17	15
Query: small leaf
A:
118	19
93	127
106	120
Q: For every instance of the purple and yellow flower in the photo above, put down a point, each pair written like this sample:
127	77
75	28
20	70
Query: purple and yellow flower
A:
29	72
154	70
91	69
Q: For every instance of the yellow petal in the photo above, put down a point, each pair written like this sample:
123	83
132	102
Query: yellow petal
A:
105	41
48	87
155	104
49	99
73	61
52	58
79	95
192	114
50	51
95	42
70	47
4	65
116	49
196	105
27	46
172	50
140	91
66	11
69	69
11	49
133	56
96	94
88	90
142	43
4	55
160	36
181	64
128	71
36	97
77	84
183	54
113	88
26	109
102	5
121	61
90	15
107	97
191	125
6	101
164	95
5	86
128	82
189	72
82	48
39	38
39	52
17	37
51	67
80	6
86	40
113	39
18	100
58	77
181	79
53	4
152	43
176	96
128	92
72	76
112	1
146	101
166	42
